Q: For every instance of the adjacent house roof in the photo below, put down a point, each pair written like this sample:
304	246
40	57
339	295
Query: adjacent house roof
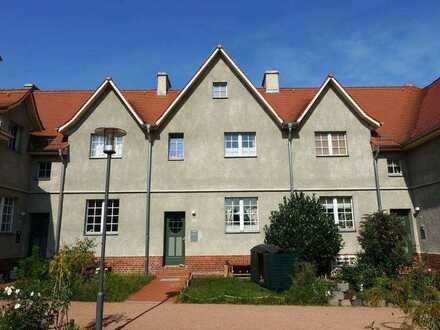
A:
9	98
397	114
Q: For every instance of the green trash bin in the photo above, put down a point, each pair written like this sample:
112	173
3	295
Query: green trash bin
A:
272	267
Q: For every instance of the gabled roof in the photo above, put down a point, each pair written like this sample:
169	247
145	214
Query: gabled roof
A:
406	112
107	83
332	82
9	98
219	51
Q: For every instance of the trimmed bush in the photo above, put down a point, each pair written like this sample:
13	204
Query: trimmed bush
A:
383	240
301	226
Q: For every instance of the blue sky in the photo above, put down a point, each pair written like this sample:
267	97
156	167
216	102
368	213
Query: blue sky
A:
75	44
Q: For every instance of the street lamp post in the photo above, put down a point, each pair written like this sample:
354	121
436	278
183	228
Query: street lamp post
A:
109	134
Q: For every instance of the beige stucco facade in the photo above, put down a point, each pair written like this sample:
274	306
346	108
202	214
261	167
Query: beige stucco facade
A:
199	184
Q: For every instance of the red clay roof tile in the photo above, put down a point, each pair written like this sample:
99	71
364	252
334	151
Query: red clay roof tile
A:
405	111
10	97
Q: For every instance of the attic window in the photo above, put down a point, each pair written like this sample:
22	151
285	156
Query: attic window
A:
219	90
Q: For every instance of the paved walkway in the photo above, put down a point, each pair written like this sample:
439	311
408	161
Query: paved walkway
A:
170	315
165	285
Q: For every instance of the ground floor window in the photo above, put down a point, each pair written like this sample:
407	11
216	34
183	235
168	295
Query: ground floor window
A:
6	214
241	214
341	209
346	260
95	216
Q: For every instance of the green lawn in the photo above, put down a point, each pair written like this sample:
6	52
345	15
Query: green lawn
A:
228	290
117	286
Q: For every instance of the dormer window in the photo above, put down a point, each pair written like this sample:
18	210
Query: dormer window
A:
220	90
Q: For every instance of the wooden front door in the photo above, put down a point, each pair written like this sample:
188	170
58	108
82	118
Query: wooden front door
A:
174	238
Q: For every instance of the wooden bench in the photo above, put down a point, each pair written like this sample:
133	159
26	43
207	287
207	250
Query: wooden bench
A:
236	270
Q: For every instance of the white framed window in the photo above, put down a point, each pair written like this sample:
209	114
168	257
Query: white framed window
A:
97	147
176	146
394	167
44	170
341	210
241	214
331	144
240	145
6	214
346	260
95	216
219	90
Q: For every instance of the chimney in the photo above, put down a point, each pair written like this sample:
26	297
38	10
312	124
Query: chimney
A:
270	81
163	83
31	86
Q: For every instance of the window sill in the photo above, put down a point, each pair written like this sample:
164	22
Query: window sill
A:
395	175
347	230
176	159
41	179
219	97
238	156
331	156
98	235
7	233
100	158
242	232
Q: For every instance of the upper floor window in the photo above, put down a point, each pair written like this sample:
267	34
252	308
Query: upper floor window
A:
341	210
97	146
241	215
176	146
331	144
394	167
14	140
44	170
219	89
95	216
6	214
240	145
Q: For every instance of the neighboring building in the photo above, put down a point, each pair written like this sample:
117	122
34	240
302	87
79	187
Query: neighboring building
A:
195	179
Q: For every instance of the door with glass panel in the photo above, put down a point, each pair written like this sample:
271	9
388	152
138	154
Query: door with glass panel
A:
174	238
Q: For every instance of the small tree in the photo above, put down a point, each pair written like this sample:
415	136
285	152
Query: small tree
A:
301	225
383	240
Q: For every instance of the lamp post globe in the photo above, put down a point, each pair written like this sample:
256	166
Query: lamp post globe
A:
109	134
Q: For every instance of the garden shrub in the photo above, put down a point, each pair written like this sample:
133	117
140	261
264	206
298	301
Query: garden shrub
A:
359	276
383	240
307	288
28	310
416	293
33	273
301	226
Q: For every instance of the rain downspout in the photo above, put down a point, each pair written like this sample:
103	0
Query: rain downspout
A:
376	150
147	128
60	199
289	143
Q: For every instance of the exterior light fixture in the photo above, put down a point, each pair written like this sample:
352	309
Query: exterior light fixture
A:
109	134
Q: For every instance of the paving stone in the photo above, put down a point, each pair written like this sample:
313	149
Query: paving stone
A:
333	302
343	286
338	295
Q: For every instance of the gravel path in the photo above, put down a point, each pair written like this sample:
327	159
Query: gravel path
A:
169	315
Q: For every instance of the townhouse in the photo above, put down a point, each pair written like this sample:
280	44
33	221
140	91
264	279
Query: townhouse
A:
195	179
